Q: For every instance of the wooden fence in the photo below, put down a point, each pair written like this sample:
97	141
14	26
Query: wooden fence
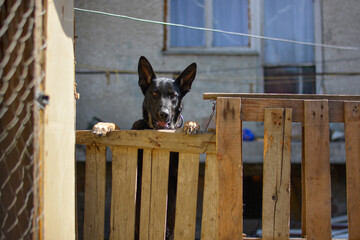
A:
223	192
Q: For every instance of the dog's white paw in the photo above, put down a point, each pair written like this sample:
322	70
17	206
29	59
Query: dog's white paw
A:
101	129
191	127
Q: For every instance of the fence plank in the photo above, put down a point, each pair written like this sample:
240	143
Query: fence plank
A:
276	179
124	171
145	195
164	139
317	169
186	196
303	186
252	105
94	206
210	199
159	188
229	156
352	141
213	96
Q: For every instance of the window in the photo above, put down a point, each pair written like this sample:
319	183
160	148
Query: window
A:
291	79
230	15
289	19
289	68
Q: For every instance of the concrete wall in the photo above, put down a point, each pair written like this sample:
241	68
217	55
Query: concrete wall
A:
341	25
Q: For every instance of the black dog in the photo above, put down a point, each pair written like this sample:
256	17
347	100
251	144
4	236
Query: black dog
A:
162	104
162	108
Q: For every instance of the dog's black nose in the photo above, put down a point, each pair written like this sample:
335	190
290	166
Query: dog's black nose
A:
164	114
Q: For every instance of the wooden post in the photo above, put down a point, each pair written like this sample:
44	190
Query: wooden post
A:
276	181
229	157
59	130
317	170
303	185
352	141
94	206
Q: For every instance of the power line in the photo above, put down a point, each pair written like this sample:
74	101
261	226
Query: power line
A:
217	30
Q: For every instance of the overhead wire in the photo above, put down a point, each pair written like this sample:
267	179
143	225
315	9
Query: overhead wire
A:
278	79
217	30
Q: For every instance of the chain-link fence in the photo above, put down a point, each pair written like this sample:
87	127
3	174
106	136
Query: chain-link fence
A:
21	75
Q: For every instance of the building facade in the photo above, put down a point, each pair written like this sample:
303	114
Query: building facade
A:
108	48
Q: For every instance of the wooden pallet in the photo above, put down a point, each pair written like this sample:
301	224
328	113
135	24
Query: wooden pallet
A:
222	202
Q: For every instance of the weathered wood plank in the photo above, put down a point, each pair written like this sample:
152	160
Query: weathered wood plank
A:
303	185
210	200
145	195
276	178
253	109
94	206
255	238
159	188
212	96
317	169
124	173
186	197
57	147
352	141
252	105
171	140
229	156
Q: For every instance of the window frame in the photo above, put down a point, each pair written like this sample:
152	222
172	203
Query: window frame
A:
318	53
254	45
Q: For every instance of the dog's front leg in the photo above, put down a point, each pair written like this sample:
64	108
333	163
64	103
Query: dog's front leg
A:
101	129
191	127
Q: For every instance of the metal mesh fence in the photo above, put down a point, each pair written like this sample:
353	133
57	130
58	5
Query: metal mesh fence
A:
21	76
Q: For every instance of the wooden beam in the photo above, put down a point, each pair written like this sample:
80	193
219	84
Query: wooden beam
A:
352	143
186	197
276	178
229	156
173	141
252	109
58	213
255	238
317	170
213	96
94	206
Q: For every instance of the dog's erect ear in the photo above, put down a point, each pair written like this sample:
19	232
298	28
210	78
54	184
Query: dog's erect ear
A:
146	74
186	78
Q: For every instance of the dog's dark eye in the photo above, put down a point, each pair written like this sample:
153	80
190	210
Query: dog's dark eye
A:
155	93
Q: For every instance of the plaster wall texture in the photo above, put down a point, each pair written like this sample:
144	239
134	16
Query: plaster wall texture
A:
341	25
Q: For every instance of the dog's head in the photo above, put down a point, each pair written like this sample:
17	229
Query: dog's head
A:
163	96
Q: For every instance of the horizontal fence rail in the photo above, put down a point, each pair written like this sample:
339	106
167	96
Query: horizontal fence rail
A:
222	216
